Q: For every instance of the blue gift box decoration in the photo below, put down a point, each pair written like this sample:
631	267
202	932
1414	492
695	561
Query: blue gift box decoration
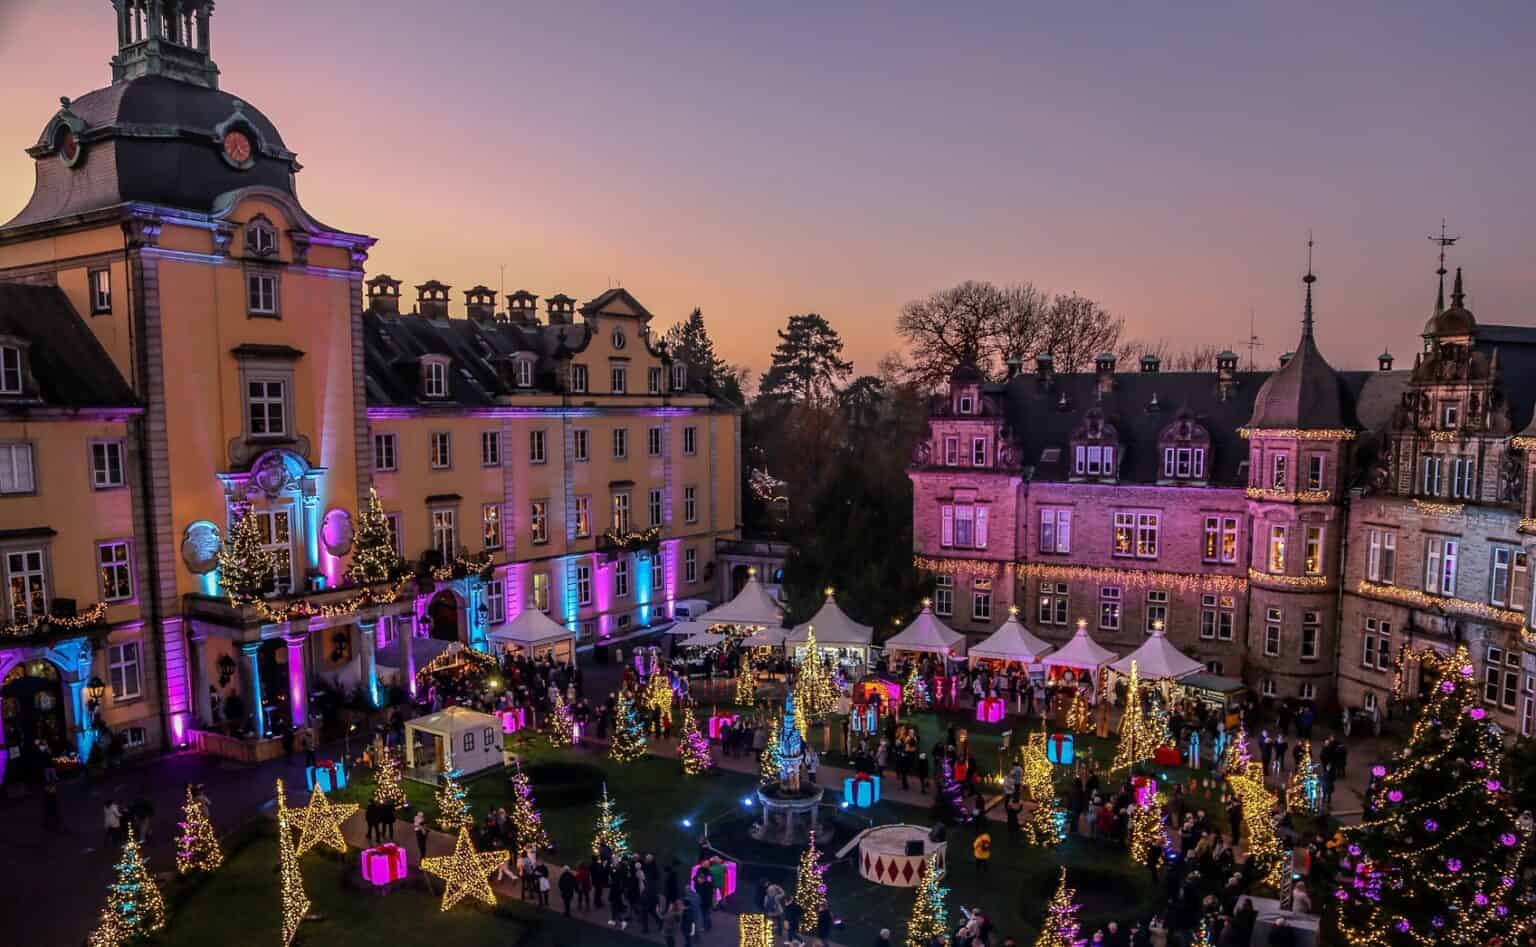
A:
328	775
862	790
1058	749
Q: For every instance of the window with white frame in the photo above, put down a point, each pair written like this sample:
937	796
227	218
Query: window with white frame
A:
690	439
658	573
10	370
538	592
653	507
536	453
1220	539
1267	687
978	452
578	378
490	448
690	566
1509	578
441	450
524	372
679	376
967	404
1431	469
385	452
396	538
1368	701
944	595
1381	556
495	601
1218	617
1440	566
653	380
981	600
1528	712
261	294
583	583
1312	551
1311	635
1183	463
620	443
1156	610
963	525
1376	645
1053	603
1307	691
124	675
1124	544
101	291
621	578
16	469
951	451
620	519
690	504
275	527
1110	605
618	374
1275	560
582	510
1501	677
114	565
653	442
435	379
1136	535
1055	531
490	526
107	465
1214	667
1450	415
1279	471
1094	460
1272	620
444	534
581	445
1464	478
266	406
1315	471
538	521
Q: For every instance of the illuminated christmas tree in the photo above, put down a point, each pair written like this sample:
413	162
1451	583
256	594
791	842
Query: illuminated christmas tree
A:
768	761
1060	927
133	899
949	798
1138	738
452	805
1247	783
1079	714
1045	825
628	742
108	932
562	726
813	685
610	828
1439	856
746	681
291	882
197	847
657	697
1304	792
930	916
374	558
914	692
692	747
810	883
387	788
245	564
1237	755
1147	833
527	824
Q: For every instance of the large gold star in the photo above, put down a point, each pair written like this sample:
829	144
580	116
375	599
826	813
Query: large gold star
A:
320	822
465	872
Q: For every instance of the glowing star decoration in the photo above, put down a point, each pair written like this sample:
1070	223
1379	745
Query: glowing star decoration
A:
1060	927
610	833
295	903
930	916
465	873
197	847
319	823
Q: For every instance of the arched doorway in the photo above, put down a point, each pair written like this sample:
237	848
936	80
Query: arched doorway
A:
444	612
32	697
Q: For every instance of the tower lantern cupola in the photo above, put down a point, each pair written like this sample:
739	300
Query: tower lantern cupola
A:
165	38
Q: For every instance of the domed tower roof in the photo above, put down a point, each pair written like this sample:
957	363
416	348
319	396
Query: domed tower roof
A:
1455	321
162	133
1306	393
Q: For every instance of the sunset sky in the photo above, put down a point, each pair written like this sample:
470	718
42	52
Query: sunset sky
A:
766	159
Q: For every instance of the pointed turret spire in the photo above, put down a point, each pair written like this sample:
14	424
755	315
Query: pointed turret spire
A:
1458	297
1442	241
1309	279
1440	293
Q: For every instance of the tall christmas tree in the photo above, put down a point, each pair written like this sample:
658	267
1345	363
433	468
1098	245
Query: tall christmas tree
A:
562	725
245	566
197	847
1304	792
657	696
768	761
1440	851
930	916
1137	736
610	828
628	741
291	882
1046	823
949	795
1079	714
1263	845
108	932
692	747
374	558
387	788
1147	832
1060	927
452	805
746	681
526	821
814	689
810	883
133	900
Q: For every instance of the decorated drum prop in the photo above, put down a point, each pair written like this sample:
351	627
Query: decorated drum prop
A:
895	855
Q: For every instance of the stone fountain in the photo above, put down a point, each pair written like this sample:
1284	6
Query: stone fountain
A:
790	810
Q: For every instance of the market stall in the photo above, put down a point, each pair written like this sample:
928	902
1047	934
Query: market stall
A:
454	738
533	634
1158	660
751	609
838	637
1080	659
926	635
1010	644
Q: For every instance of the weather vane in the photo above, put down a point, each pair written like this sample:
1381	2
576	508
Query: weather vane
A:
1442	241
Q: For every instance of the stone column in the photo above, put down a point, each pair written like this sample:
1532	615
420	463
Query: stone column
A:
80	720
405	632
297	638
197	657
250	684
367	643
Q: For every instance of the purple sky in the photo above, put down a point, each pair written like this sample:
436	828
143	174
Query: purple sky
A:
757	163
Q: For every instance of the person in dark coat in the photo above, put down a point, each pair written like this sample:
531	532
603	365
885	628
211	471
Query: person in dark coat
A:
600	875
704	887
567	889
824	926
616	905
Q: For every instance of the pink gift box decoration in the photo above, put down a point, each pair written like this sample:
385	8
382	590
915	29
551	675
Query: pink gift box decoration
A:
1058	749
384	864
862	790
718	722
991	710
725	881
514	720
328	775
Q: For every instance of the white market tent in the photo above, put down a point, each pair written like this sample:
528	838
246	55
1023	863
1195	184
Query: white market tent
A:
684	629
927	635
454	738
534	634
835	632
764	638
704	639
1011	642
1158	660
752	607
1082	653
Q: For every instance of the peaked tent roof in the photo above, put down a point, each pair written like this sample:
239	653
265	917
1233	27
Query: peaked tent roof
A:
1081	652
1011	642
927	633
751	606
1158	660
531	626
704	639
764	638
833	627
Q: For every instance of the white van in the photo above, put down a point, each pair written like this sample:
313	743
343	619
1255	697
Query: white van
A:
689	609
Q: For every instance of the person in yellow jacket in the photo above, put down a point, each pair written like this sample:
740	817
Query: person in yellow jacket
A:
982	849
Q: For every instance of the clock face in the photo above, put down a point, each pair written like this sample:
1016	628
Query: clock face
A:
237	147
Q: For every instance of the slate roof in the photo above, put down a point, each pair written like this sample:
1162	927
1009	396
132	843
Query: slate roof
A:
1516	348
69	367
480	354
1305	393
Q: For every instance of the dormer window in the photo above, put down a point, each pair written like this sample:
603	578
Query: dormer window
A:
260	238
679	376
967	404
434	378
1184	463
523	369
1450	415
1186	444
1095	460
10	370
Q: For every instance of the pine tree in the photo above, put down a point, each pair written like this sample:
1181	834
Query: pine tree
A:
814	689
526	821
914	692
1147	832
1046	823
562	726
746	681
930	916
1079	714
692	746
768	760
387	788
628	743
133	899
810	882
197	847
807	363
373	547
1137	740
291	881
1060	927
610	828
689	343
657	697
1440	849
949	798
245	567
1263	845
1304	792
452	805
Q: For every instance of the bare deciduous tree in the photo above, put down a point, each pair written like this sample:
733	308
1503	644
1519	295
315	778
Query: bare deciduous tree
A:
1076	329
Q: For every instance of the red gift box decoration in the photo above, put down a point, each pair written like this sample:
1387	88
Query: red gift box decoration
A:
384	864
1166	756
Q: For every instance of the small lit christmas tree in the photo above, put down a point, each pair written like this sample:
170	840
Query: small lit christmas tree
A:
1137	733
374	558
692	747
657	696
1046	823
291	881
245	565
133	899
930	916
628	742
1237	755
387	787
817	695
108	932
949	798
527	824
1079	714
1060	927
452	805
1263	845
1440	854
746	681
562	725
197	847
768	760
610	828
914	692
1304	792
1147	832
810	883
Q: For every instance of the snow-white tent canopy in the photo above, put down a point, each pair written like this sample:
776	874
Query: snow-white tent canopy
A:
1158	660
752	607
1011	642
533	633
1082	653
835	631
927	635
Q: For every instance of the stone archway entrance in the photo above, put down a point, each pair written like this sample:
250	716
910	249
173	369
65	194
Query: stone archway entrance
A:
32	697
444	612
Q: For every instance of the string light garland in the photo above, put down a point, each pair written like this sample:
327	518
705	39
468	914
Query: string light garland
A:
527	823
1282	495
755	930
1431	508
1523	443
91	616
1298	582
133	900
309	608
810	881
628	743
562	725
693	746
815	693
1304	792
1046	824
768	760
631	540
1134	578
1296	434
1527	524
466	873
319	823
930	915
387	787
1445	437
464	565
610	833
452	804
1460	606
1060	927
456	656
962	567
197	847
295	902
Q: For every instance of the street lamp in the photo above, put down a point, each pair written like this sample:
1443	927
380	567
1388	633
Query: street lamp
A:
95	689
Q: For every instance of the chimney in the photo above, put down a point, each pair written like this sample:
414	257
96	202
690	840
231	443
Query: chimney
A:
1384	360
1151	364
1015	365
384	295
480	304
1045	369
1226	374
562	309
523	308
432	300
1104	369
